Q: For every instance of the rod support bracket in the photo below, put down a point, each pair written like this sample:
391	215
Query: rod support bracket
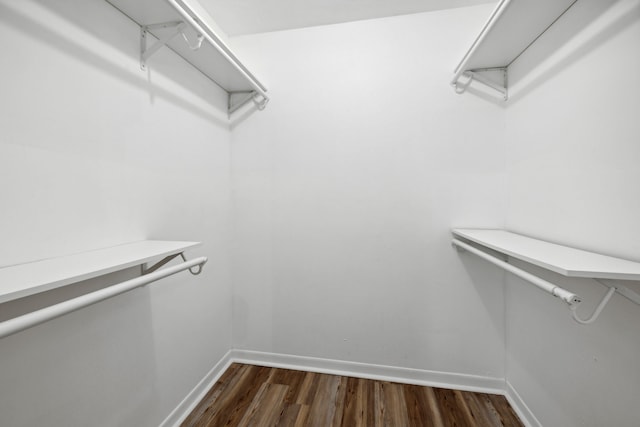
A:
237	100
191	269
157	265
165	260
260	100
596	312
477	75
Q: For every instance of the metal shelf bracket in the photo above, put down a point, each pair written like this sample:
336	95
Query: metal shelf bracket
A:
573	301
145	53
596	312
471	75
147	270
237	99
178	29
613	288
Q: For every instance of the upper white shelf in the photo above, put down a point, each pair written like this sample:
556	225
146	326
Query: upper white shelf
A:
213	57
35	277
512	27
560	259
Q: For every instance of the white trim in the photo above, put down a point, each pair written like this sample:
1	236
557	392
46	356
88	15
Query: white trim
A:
188	404
521	408
464	382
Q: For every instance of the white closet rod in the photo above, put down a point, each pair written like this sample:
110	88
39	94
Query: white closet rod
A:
568	297
472	75
37	317
495	16
220	47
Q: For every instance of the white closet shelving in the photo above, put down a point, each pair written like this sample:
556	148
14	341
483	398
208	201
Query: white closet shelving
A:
512	27
563	260
22	280
560	259
187	31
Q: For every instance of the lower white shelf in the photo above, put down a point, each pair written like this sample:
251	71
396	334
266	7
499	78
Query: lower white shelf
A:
22	280
563	260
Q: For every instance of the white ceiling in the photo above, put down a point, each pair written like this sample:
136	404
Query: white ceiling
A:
256	16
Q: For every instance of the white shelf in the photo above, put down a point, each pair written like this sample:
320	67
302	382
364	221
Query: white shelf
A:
512	27
214	58
22	280
563	260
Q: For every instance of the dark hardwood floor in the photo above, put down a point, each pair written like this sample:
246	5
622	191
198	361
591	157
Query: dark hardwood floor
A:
248	395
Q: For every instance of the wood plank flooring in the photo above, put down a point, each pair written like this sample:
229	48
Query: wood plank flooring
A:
248	395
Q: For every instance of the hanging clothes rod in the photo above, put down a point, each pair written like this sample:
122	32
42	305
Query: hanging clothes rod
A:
26	321
489	50
474	75
189	15
495	17
568	297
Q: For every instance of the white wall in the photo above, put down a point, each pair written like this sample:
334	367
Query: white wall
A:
346	186
94	152
345	191
573	135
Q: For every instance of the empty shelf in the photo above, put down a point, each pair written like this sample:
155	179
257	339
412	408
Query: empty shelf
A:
31	278
205	50
563	260
512	27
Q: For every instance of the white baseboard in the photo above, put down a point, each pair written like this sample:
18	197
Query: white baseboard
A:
370	371
521	408
421	377
188	404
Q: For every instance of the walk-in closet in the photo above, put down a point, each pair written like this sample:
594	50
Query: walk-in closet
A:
320	213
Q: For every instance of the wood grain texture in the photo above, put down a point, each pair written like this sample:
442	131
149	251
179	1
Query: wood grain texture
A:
249	395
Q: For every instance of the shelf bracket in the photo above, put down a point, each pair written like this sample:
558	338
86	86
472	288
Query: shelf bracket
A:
573	301
237	100
195	46
157	265
613	288
622	290
146	52
596	312
196	272
165	260
477	75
